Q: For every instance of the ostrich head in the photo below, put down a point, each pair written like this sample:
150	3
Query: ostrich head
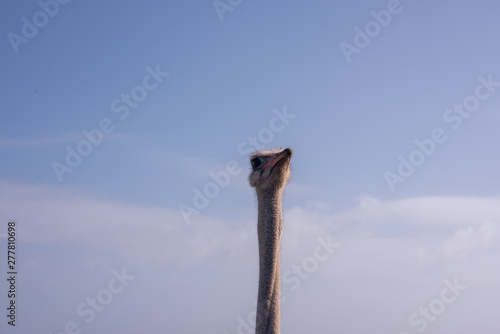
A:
270	169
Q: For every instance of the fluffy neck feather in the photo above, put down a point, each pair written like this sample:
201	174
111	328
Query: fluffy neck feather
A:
269	228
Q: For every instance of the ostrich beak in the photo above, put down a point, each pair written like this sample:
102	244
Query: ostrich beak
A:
287	152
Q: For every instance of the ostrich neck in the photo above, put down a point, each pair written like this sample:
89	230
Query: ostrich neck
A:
269	229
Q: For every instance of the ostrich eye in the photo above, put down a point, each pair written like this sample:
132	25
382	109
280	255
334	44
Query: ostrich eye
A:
256	162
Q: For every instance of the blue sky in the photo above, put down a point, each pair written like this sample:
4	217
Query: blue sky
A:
429	74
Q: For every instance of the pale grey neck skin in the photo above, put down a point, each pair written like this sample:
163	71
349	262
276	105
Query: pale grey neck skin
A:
270	173
269	229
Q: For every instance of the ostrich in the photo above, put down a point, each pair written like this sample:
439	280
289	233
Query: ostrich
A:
269	175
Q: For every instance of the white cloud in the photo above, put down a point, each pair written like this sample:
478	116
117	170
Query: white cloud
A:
58	140
28	143
465	240
391	275
54	215
140	233
432	210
